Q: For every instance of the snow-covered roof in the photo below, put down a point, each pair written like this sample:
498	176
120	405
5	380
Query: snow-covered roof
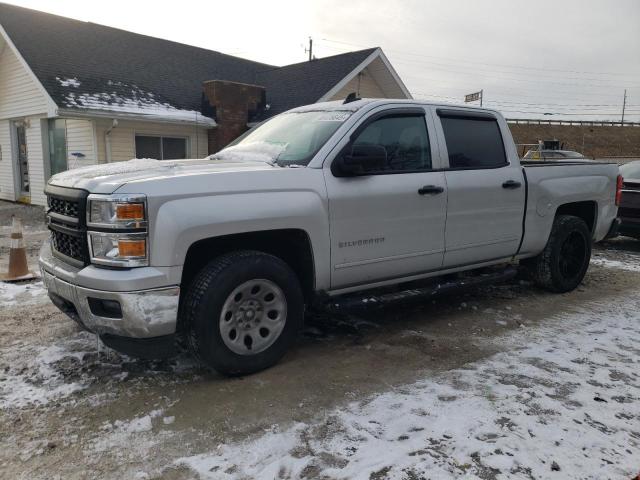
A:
85	66
140	103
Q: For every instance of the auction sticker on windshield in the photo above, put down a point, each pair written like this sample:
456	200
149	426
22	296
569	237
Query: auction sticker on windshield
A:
335	116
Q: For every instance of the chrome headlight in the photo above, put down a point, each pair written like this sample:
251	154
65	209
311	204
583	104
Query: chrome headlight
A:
117	211
118	230
119	249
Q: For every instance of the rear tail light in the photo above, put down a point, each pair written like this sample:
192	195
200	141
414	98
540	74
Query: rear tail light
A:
619	186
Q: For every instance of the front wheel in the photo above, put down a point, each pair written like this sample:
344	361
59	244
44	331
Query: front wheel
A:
563	263
243	310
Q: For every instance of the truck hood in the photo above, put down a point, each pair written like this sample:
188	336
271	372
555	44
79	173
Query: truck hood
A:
109	177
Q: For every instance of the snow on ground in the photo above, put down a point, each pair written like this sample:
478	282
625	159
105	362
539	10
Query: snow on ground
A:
42	381
561	402
22	293
629	265
564	404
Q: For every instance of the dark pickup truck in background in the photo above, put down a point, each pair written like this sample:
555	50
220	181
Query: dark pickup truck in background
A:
629	211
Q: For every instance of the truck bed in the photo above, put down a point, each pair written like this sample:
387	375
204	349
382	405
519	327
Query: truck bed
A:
586	183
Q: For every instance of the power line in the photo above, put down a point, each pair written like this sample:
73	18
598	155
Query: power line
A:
487	74
486	63
562	113
492	74
475	75
587	109
544	109
545	92
532	104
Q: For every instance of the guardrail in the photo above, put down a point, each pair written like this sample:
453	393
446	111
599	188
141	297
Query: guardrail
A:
589	123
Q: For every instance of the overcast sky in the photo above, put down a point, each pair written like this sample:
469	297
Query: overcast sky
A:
570	58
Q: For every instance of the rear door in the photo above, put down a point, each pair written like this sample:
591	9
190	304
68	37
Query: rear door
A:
485	193
388	222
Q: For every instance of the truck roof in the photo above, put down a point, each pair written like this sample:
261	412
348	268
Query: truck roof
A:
339	105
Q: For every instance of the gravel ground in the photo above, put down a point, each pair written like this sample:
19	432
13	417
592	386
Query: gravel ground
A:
499	382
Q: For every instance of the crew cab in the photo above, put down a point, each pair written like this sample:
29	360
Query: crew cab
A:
316	203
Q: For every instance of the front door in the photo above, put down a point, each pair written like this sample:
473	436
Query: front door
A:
22	163
389	221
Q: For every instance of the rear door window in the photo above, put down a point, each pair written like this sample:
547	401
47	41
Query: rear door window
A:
473	142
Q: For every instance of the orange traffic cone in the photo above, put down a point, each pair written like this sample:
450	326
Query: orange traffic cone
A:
18	266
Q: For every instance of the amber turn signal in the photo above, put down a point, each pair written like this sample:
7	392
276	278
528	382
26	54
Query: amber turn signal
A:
130	211
132	248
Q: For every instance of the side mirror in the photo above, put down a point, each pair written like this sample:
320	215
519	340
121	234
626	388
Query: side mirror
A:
360	160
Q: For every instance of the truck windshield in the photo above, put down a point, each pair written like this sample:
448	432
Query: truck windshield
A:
289	139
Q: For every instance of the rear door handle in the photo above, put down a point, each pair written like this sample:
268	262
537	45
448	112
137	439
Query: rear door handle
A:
511	184
430	190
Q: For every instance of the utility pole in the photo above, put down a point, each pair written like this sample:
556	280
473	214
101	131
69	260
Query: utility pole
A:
481	95
310	49
624	104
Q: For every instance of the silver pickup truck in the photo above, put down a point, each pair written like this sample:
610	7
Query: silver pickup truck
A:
315	203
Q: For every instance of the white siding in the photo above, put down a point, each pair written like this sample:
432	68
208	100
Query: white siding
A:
36	164
385	79
363	84
123	138
80	140
34	155
6	162
19	93
21	98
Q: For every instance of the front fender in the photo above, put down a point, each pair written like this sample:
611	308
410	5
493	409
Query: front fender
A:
179	223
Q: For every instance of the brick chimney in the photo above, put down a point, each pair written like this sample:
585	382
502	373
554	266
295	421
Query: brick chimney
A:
233	105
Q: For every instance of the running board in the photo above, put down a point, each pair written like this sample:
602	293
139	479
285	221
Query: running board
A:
372	299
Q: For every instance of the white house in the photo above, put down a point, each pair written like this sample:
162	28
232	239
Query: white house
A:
74	93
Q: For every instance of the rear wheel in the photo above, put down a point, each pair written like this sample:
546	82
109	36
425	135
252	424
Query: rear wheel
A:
243	310
563	263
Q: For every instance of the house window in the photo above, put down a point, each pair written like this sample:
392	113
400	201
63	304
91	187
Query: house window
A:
161	148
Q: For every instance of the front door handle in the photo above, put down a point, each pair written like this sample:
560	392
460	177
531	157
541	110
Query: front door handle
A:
430	190
511	184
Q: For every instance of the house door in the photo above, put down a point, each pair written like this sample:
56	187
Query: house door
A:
22	162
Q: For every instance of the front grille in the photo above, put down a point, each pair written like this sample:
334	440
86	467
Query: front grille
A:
67	222
69	245
64	207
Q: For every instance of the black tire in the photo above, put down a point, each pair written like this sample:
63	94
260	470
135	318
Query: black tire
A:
564	261
205	300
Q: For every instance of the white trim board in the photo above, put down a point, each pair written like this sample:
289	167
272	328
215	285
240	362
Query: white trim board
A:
52	108
96	114
377	53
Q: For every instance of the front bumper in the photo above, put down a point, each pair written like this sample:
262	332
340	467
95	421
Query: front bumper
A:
142	314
